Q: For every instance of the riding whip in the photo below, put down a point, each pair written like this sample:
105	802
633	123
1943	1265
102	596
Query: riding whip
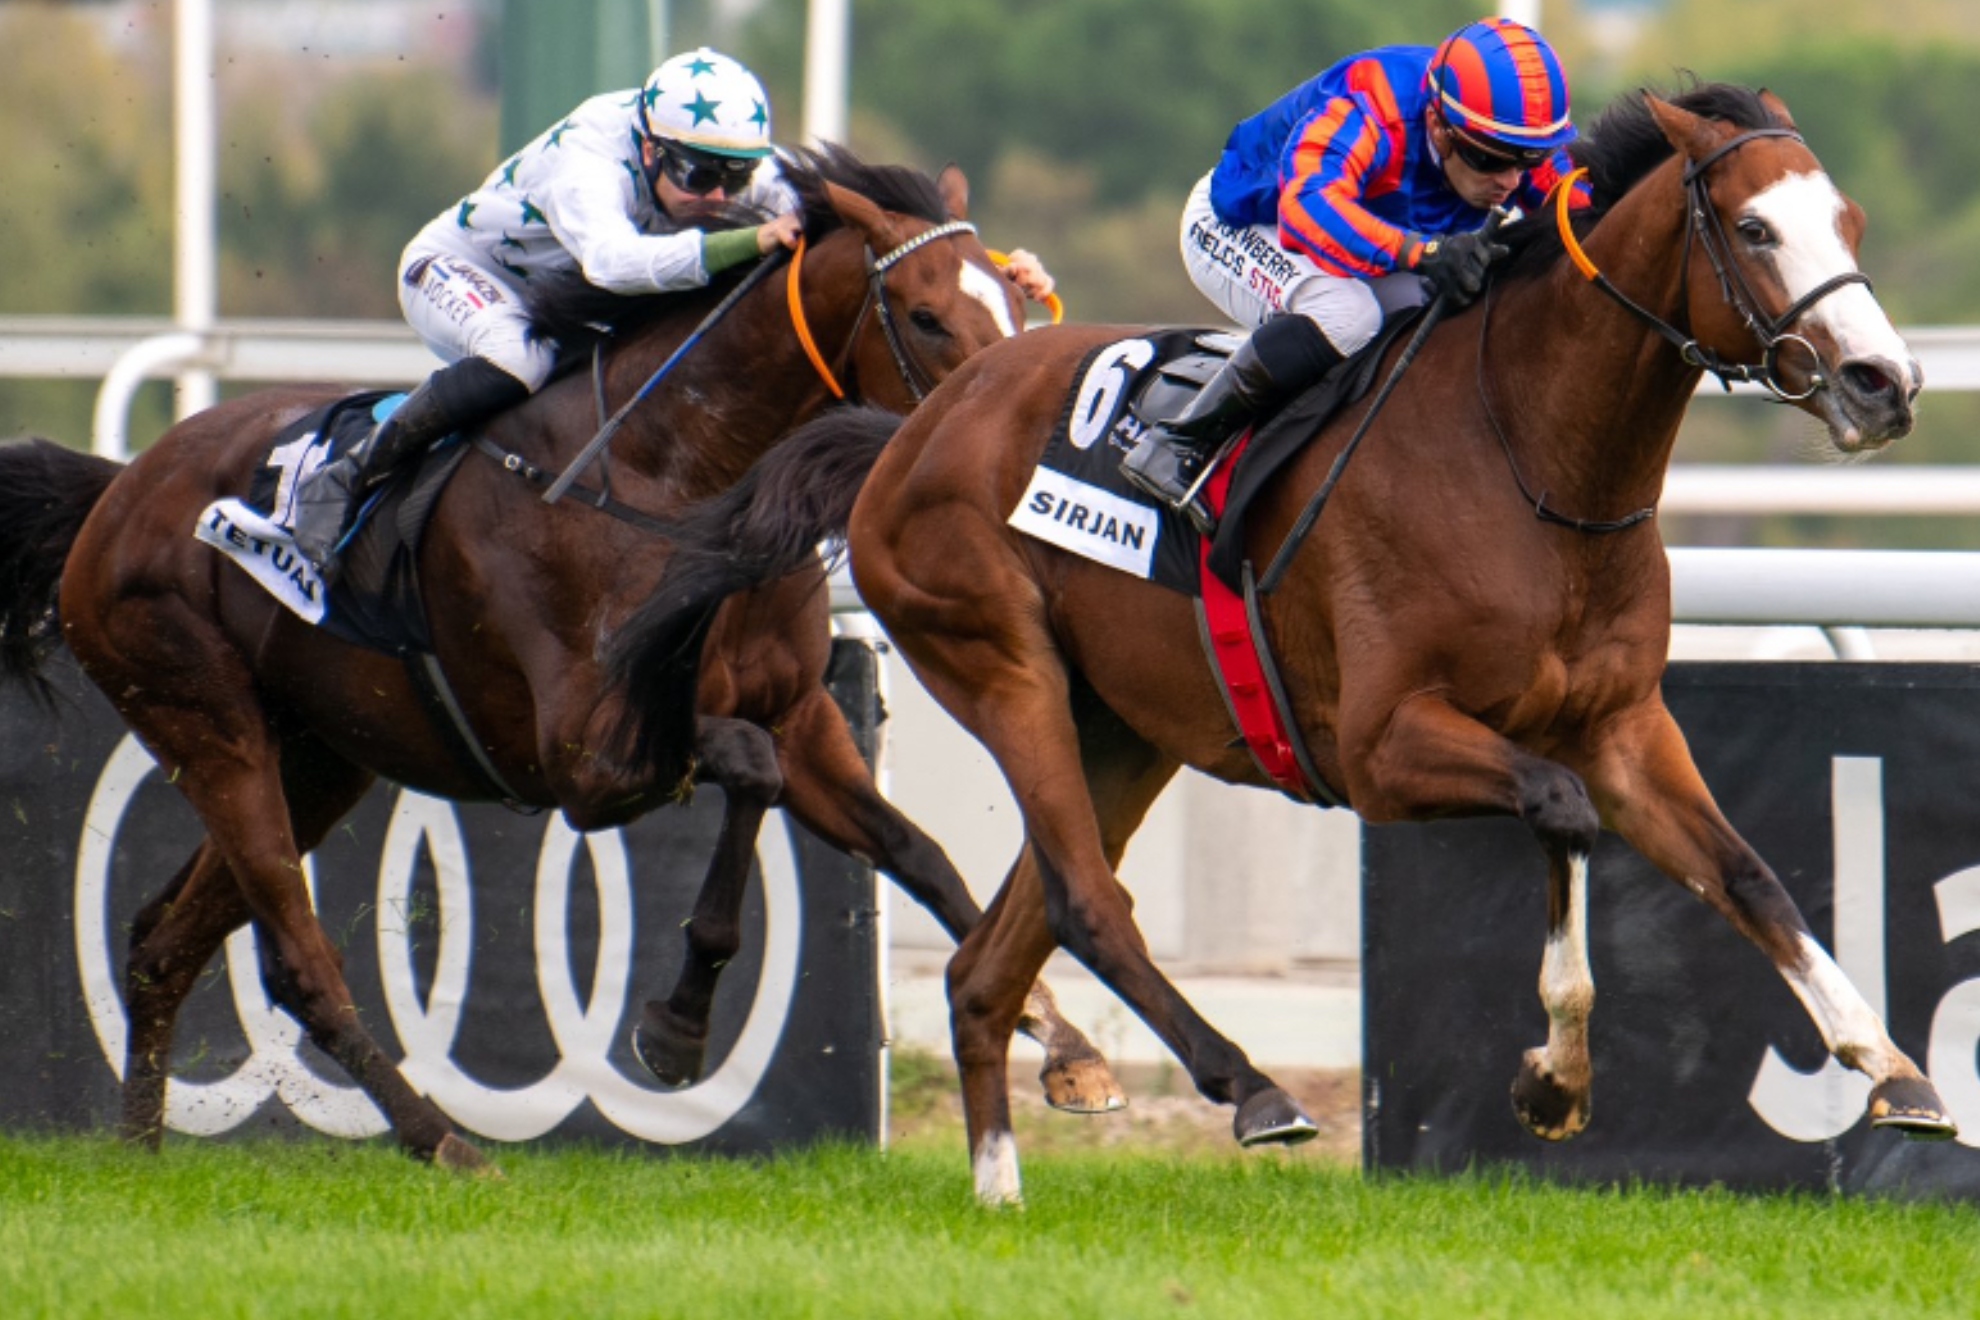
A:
605	433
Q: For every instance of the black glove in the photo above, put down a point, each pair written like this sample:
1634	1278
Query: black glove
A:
1456	264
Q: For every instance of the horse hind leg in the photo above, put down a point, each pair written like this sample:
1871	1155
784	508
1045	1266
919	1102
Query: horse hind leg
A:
828	788
173	938
671	1037
230	765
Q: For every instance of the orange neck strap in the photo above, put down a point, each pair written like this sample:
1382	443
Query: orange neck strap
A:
1563	194
793	296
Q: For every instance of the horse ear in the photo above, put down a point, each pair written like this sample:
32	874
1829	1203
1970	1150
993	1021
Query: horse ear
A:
1777	108
1690	134
955	191
863	214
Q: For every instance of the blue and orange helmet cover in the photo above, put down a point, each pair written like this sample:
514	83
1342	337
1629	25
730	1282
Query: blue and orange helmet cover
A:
1500	82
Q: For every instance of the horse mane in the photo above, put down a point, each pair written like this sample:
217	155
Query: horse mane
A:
575	312
1619	149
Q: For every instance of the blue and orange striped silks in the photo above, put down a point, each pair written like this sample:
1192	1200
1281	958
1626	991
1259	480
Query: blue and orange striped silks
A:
1342	166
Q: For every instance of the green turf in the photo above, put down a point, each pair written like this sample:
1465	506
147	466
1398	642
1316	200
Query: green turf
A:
308	1228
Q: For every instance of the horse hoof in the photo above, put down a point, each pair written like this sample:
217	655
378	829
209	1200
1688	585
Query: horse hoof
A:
1082	1085
1910	1105
1273	1118
1543	1106
667	1049
457	1155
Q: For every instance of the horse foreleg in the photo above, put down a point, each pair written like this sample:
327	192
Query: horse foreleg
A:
828	788
1431	758
671	1038
1653	796
173	938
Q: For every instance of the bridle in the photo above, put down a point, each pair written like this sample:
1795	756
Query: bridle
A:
917	380
1703	225
913	374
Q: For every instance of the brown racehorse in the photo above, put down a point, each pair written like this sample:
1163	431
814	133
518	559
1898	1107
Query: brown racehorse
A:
273	729
1475	625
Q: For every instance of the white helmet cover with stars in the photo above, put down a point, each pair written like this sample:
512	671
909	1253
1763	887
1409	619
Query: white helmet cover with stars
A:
706	100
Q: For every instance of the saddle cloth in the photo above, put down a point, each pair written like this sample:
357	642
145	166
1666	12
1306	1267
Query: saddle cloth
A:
1079	501
375	601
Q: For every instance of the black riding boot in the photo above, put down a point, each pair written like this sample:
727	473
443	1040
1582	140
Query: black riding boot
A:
1281	358
453	397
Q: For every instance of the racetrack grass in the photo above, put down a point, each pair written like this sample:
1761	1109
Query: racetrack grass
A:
318	1227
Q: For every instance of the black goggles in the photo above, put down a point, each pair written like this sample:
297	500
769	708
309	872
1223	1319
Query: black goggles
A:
701	172
1486	160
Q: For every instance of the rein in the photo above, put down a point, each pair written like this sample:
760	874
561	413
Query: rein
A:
1702	222
876	294
1586	526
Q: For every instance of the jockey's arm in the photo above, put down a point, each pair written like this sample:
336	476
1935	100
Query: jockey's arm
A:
1325	169
590	210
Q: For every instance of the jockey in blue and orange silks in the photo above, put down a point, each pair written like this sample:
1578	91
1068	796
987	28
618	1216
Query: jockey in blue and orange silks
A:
1338	204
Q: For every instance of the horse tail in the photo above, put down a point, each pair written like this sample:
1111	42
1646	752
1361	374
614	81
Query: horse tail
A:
764	527
46	491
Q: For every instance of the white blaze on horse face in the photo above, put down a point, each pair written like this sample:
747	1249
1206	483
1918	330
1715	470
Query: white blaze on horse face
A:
993	291
1805	213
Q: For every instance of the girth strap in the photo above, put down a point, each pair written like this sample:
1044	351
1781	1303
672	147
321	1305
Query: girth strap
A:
429	680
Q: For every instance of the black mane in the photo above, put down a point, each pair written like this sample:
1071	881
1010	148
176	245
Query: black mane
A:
1622	146
574	312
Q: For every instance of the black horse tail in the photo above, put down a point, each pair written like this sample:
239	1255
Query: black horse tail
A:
46	491
764	527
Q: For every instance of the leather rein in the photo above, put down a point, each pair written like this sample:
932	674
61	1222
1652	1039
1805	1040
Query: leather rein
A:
913	375
1703	225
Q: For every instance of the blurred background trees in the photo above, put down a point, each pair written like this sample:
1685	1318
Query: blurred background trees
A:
1082	124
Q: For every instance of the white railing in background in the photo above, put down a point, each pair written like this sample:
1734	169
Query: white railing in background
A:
387	353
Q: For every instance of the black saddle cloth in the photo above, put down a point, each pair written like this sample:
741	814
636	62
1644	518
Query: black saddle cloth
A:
1114	399
376	601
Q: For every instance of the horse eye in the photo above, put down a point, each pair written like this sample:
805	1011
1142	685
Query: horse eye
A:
1755	232
927	322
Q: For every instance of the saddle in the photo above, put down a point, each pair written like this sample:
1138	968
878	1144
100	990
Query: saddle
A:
376	599
1078	499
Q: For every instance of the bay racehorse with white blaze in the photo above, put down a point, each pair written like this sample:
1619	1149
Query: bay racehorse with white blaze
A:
273	729
1477	623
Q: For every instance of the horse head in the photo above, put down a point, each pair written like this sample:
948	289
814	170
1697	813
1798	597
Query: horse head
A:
934	294
1773	272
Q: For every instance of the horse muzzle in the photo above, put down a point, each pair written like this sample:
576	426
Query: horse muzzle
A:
1869	402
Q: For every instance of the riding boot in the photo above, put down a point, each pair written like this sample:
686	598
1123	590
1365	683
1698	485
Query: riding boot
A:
1281	358
452	398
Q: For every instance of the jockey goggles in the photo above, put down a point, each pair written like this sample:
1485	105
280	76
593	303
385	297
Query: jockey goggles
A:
699	173
1493	160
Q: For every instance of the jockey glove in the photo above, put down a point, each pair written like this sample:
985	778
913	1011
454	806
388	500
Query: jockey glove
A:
1456	264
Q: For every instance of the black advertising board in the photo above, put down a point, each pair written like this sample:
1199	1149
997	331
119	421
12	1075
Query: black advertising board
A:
502	958
1860	785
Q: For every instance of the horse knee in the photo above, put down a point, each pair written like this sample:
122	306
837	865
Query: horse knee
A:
983	1012
1555	805
712	943
742	759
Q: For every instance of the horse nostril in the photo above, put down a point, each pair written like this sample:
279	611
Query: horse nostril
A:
1869	380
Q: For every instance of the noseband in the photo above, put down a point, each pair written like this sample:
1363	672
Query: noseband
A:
913	374
1703	224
